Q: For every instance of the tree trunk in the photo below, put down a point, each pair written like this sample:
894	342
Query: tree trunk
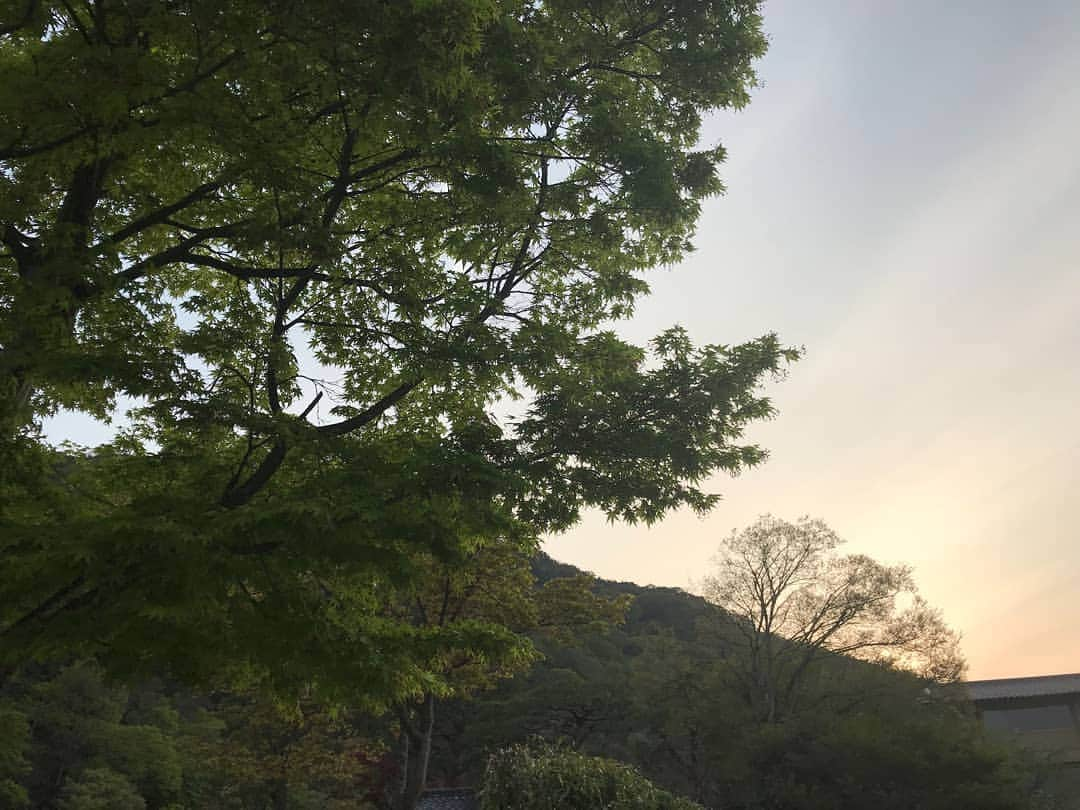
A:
40	324
55	271
280	794
416	754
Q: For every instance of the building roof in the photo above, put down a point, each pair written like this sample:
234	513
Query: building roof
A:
448	799
1040	686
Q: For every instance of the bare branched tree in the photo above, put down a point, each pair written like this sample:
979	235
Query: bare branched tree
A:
798	601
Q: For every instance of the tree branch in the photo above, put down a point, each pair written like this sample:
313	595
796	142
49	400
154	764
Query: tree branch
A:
178	252
371	413
240	495
159	216
58	596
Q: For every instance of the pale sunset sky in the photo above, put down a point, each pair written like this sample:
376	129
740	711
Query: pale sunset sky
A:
904	201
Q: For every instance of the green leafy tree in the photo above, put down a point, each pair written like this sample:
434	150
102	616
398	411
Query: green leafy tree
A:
250	751
100	789
85	740
493	585
315	243
80	723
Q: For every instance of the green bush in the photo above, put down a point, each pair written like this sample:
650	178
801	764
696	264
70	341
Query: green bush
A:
100	789
551	777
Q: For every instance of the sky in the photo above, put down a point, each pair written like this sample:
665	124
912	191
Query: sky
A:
903	199
904	202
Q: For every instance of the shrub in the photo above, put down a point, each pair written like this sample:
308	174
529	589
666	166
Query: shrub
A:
553	777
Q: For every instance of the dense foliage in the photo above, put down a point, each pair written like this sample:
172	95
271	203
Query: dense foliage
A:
545	777
495	587
655	693
662	693
315	244
89	744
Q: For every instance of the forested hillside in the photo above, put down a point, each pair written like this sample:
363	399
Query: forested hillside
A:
655	691
658	692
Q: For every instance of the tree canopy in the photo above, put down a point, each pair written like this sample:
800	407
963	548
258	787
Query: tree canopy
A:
316	244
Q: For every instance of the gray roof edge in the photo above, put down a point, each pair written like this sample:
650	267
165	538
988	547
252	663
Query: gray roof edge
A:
1031	686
